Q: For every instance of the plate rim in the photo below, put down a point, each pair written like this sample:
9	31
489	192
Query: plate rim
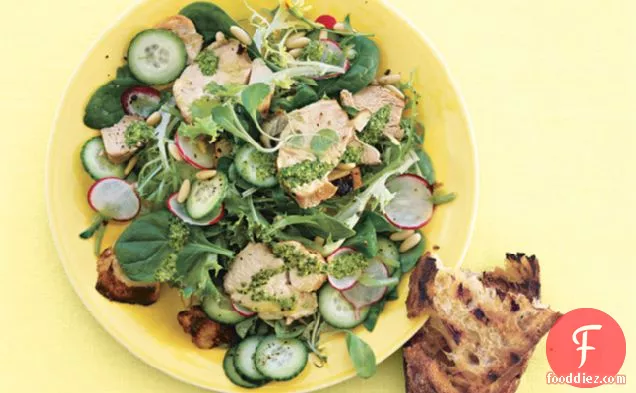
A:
463	112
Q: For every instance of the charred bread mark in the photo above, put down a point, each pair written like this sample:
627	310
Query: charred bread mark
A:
422	276
521	274
206	333
113	284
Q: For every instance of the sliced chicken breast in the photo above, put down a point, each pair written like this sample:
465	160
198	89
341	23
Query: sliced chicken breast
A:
370	155
234	66
373	98
115	140
184	29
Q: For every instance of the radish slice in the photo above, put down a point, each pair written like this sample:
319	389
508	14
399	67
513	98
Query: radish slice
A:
360	295
333	48
192	155
411	208
179	210
327	20
141	101
242	310
346	282
114	198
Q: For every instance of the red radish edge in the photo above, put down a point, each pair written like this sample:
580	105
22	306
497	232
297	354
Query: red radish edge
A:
327	20
192	221
90	190
334	281
124	99
379	297
346	65
242	310
185	156
430	188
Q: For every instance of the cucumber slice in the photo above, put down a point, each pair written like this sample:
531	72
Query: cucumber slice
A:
220	310
244	360
256	167
281	359
206	195
156	56
337	311
388	252
232	374
96	163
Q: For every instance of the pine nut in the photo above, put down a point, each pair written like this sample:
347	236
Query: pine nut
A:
298	34
206	174
361	119
324	34
339	26
295	53
346	166
154	119
402	235
184	191
391	79
319	241
410	242
131	165
298	42
219	37
202	147
337	174
174	152
241	35
216	44
397	92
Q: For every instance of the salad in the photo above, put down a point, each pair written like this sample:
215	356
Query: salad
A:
275	179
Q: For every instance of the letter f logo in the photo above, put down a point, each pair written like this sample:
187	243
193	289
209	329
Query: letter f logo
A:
584	347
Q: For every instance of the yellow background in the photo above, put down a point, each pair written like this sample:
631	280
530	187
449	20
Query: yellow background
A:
550	86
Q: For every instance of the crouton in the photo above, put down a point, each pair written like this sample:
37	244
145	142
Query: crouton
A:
113	284
206	333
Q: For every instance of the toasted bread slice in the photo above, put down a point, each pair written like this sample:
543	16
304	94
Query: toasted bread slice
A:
113	284
481	331
206	333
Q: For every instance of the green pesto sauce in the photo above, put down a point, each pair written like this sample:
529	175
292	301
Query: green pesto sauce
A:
208	62
318	51
304	263
303	173
138	133
373	132
347	264
352	154
286	303
265	164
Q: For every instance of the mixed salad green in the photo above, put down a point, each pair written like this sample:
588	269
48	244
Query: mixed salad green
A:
274	179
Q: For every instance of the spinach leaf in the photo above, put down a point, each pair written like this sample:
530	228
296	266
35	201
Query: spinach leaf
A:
409	259
362	72
144	245
365	239
361	355
303	96
252	96
320	223
209	18
197	247
284	331
104	107
374	313
425	166
379	222
124	74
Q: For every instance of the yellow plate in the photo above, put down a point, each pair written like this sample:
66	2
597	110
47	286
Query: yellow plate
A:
152	333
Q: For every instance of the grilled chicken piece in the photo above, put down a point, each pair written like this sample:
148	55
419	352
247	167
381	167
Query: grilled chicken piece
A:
184	29
115	140
307	121
280	285
373	98
234	66
113	284
310	282
482	329
206	333
370	155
